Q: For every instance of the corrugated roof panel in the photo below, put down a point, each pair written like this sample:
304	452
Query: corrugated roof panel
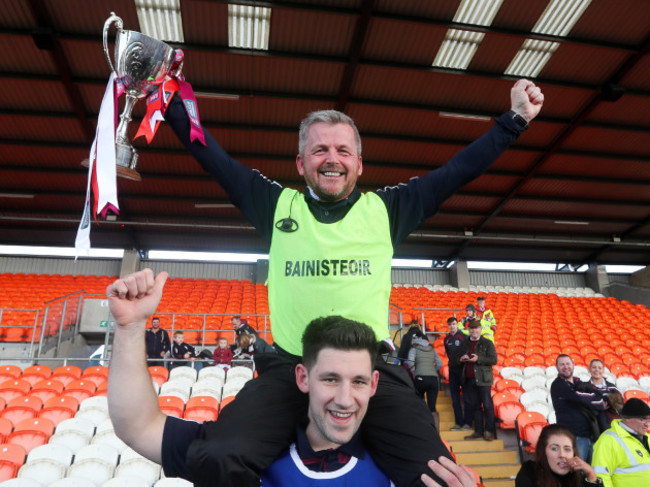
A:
86	58
547	226
590	65
630	109
399	41
622	22
57	129
450	221
20	55
609	141
588	189
574	209
69	16
579	166
495	53
16	15
419	8
304	31
468	202
46	96
515	14
637	77
43	156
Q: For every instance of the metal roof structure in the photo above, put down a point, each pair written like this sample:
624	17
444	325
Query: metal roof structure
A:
574	188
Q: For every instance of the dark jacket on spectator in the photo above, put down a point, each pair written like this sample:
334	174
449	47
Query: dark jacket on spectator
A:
576	407
487	357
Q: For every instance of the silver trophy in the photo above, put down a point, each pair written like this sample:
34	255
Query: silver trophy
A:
141	64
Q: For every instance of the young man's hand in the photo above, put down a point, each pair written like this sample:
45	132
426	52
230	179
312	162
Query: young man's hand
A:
134	298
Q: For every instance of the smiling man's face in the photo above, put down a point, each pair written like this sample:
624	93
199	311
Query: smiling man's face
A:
330	163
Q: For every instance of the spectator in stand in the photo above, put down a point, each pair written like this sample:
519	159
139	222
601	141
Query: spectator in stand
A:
425	366
577	407
405	342
556	463
453	344
260	345
470	311
478	357
182	350
222	355
486	316
605	389
157	342
241	326
245	348
622	453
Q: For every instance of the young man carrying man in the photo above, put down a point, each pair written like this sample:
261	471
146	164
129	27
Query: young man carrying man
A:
337	372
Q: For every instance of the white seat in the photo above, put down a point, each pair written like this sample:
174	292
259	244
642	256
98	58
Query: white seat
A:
579	369
549	382
128	453
74	440
94	415
551	418
541	407
583	376
183	371
551	372
180	382
94	402
237	372
58	453
232	388
139	467
213	381
645	382
123	481
532	370
512	373
532	396
534	381
207	388
173	482
83	426
74	482
176	390
18	482
109	438
212	372
626	383
106	425
93	469
100	451
43	470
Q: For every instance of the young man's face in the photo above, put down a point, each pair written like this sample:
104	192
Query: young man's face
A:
330	164
155	323
340	384
235	322
223	343
179	338
481	303
453	327
564	366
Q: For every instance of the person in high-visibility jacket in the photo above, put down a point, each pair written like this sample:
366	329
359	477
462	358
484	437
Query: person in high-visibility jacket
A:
622	453
487	329
485	314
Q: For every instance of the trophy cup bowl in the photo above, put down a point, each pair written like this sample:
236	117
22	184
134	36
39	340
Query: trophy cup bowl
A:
141	64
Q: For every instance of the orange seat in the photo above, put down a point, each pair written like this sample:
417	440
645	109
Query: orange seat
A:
9	372
13	388
446	443
529	427
507	412
80	389
501	397
47	389
6	427
97	374
12	458
31	433
635	393
477	477
503	384
202	408
66	373
20	408
444	372
59	408
159	374
36	373
171	405
225	401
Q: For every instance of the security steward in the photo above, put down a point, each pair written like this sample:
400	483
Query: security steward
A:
622	453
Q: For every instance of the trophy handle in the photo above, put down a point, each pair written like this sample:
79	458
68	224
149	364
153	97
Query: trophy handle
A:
119	25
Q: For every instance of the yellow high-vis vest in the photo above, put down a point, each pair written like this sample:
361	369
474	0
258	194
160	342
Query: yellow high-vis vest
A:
324	269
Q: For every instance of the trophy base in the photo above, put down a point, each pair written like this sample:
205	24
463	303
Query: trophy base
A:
126	159
121	171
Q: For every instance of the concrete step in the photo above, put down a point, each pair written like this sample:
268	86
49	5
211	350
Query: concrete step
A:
455	435
487	458
498	483
462	446
497	472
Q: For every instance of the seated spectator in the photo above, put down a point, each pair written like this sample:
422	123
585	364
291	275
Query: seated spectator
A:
605	389
222	355
260	345
182	350
577	406
556	462
245	348
241	326
622	453
425	366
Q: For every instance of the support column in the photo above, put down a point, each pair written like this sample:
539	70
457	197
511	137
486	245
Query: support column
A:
641	278
459	274
597	279
130	262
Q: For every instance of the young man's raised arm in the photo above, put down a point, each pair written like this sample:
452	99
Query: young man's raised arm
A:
132	401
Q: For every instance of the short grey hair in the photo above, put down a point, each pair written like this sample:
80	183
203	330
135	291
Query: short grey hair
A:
330	117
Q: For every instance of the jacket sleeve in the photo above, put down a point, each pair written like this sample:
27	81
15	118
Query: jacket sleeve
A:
166	341
438	361
605	459
488	354
562	390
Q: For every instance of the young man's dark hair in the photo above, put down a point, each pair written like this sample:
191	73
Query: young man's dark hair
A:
451	320
562	355
338	333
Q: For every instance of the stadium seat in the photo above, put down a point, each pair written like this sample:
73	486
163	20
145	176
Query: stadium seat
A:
36	373
109	438
12	388
173	482
507	412
43	470
102	452
92	469
202	408
6	427
533	395
529	426
534	381
224	402
503	384
59	408
183	371
31	433
130	481
47	389
635	393
235	373
541	407
73	433
66	373
9	372
21	408
139	467
208	387
178	387
500	397
58	453
159	374
80	389
96	373
212	372
74	482
171	405
12	458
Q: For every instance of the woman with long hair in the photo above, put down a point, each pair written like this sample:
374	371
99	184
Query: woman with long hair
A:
556	463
